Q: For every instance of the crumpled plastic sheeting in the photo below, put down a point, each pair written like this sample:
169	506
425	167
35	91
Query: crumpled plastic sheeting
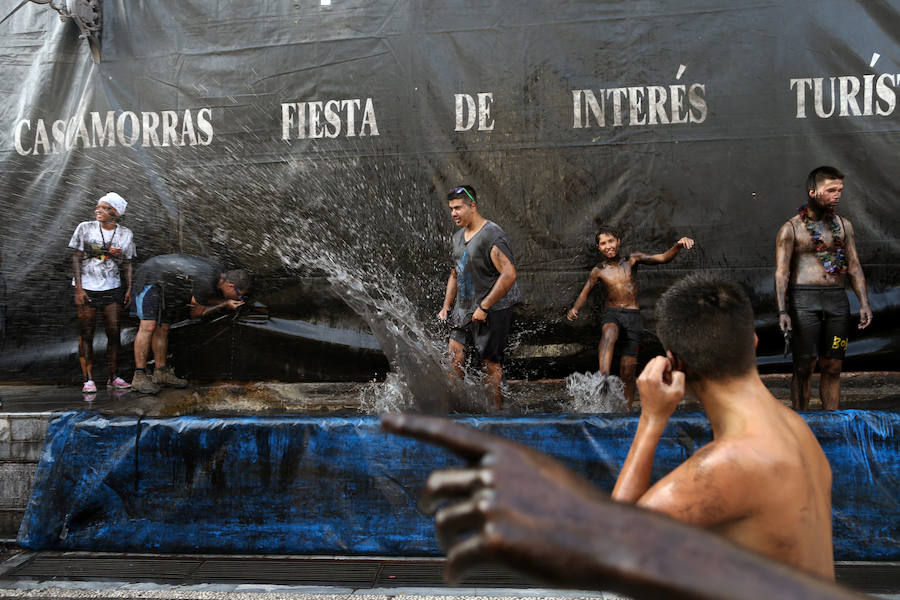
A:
329	485
863	448
729	181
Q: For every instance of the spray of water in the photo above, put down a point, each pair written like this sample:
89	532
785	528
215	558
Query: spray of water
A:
595	393
378	235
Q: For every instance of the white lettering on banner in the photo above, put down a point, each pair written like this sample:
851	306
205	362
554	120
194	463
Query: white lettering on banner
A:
316	119
467	112
639	106
846	95
99	130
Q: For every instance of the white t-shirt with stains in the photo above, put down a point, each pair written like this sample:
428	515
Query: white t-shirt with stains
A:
104	250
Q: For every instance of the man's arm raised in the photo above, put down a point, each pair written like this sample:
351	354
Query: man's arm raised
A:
663	257
705	489
661	390
520	507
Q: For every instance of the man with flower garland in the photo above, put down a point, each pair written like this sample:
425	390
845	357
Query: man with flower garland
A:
815	252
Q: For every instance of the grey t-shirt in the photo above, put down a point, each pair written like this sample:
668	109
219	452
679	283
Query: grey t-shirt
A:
475	272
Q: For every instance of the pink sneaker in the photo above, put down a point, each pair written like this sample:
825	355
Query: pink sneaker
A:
89	387
118	384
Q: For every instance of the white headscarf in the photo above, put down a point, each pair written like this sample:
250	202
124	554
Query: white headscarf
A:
116	201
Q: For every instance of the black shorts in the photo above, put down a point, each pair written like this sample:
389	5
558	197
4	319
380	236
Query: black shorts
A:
104	298
630	324
150	304
820	321
490	337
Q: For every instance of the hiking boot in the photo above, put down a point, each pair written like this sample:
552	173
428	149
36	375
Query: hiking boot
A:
166	376
118	384
142	383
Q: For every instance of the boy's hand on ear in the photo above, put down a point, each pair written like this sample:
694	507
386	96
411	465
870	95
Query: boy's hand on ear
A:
661	388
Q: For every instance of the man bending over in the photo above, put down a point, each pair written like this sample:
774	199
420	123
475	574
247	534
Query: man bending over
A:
170	288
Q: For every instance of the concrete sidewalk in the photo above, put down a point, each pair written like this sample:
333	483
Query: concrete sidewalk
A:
107	575
101	575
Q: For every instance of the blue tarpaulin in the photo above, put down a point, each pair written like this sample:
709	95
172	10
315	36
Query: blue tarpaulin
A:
298	484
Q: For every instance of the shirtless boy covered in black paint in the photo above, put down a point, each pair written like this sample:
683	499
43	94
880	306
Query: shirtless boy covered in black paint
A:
621	318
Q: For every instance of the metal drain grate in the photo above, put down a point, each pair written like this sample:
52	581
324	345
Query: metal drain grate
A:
362	573
870	578
431	574
123	568
357	573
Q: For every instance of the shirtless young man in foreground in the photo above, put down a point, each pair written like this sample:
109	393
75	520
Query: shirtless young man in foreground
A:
763	483
621	318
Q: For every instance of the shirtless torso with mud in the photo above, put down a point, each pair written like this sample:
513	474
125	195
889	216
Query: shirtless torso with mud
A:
806	268
619	282
618	274
815	254
763	481
621	320
792	523
769	448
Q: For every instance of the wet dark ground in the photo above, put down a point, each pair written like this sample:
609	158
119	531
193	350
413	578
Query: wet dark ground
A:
873	390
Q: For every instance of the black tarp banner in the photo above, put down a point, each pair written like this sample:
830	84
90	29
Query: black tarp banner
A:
272	133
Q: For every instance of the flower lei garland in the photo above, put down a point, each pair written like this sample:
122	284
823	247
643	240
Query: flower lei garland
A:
834	262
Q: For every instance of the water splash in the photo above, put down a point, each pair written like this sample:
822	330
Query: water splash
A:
380	237
595	393
389	396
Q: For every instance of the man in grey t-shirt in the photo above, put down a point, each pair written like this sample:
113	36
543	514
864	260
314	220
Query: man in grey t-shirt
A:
483	284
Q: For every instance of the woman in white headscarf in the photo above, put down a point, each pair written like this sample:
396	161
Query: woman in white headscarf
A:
104	250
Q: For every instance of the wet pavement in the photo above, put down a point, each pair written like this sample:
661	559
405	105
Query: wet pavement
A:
874	390
224	398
